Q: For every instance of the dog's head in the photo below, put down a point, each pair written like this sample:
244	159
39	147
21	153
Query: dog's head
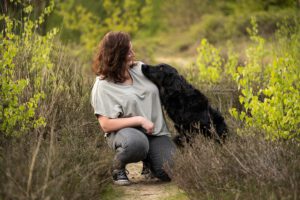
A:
183	102
162	75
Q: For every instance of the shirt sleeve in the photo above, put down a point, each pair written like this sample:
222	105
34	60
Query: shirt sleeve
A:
104	103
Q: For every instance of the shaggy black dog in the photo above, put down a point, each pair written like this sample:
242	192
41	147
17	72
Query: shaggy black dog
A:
186	106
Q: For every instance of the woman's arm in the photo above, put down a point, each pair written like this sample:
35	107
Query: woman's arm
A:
110	125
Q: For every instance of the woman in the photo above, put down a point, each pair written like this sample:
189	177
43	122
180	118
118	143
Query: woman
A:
128	109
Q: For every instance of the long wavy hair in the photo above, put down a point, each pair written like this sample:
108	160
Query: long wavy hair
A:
112	57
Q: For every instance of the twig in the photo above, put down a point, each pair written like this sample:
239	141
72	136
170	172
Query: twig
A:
14	181
51	149
238	160
32	164
71	171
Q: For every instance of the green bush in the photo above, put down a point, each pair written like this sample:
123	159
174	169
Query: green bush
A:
209	63
270	90
20	90
68	157
86	27
217	27
59	153
267	82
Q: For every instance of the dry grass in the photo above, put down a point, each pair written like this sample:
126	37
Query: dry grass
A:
67	159
71	168
247	167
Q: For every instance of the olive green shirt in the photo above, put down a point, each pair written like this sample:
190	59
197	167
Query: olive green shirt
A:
115	100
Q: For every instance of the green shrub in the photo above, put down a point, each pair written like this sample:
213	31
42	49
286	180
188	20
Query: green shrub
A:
267	82
62	156
218	27
86	27
68	157
270	90
212	74
20	90
209	63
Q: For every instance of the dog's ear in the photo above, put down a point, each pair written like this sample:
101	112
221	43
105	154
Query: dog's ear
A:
177	84
171	91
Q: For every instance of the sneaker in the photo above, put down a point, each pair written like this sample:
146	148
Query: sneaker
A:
145	169
120	177
146	172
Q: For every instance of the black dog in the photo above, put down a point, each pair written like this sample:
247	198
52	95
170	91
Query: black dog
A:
186	106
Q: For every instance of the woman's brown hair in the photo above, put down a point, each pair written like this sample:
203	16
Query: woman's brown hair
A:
112	57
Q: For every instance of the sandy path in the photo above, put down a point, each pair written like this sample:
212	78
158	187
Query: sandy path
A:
148	189
143	189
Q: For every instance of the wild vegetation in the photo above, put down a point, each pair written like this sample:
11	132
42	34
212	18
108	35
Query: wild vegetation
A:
245	57
246	167
50	142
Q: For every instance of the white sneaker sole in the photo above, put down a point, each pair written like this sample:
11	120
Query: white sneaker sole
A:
122	182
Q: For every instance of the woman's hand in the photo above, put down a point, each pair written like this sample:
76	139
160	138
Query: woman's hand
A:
109	125
147	125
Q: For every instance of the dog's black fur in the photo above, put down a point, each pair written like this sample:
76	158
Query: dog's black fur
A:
186	106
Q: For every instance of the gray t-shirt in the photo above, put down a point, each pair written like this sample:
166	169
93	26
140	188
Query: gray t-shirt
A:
115	100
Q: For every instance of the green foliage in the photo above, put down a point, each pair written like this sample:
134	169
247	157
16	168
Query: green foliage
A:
255	5
209	63
117	15
268	81
270	91
181	13
84	22
150	12
218	27
20	92
211	68
119	10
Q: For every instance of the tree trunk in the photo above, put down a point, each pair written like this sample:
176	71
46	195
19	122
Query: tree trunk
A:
4	11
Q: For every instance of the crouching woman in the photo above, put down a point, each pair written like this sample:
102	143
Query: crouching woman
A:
129	111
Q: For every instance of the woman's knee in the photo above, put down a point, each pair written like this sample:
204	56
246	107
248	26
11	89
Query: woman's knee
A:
133	143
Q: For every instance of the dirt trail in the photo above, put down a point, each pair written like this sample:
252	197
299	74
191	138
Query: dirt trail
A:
143	189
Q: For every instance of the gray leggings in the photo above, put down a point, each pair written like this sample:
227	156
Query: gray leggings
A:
132	145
